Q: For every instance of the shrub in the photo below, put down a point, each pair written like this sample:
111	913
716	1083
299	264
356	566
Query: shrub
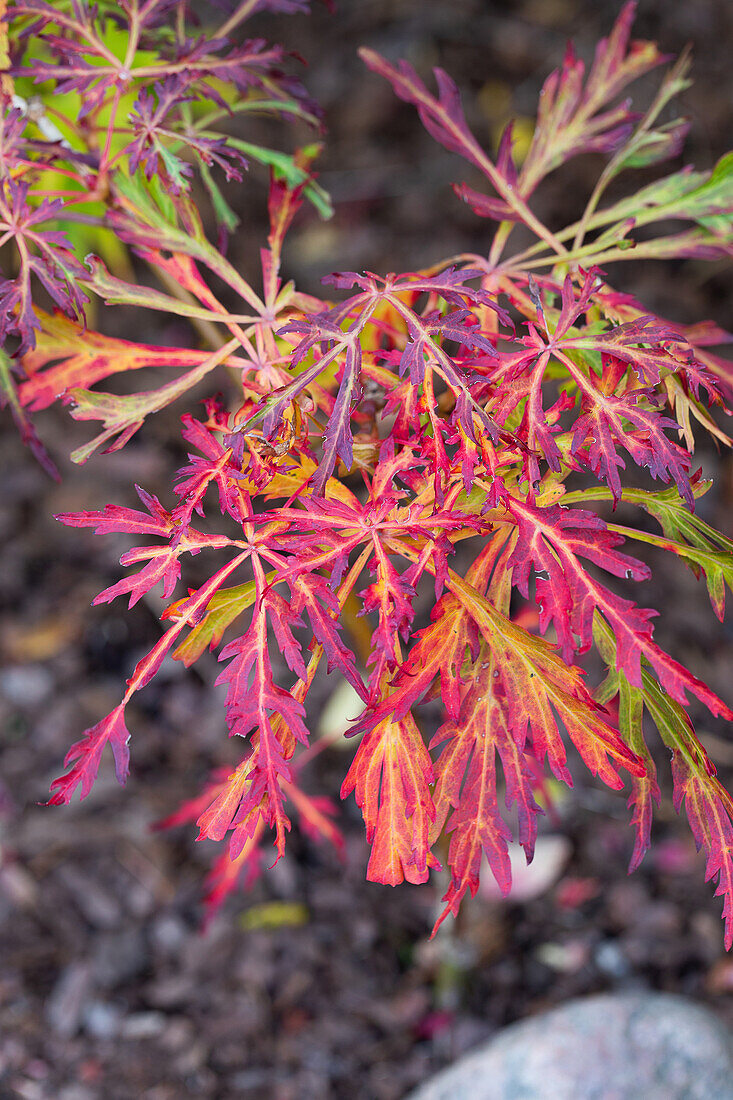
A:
493	404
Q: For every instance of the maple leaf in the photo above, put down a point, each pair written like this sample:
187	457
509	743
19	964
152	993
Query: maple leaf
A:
572	119
520	685
548	539
467	781
706	551
645	791
163	564
313	596
440	649
710	813
536	680
43	253
155	133
448	648
390	777
709	806
253	703
325	335
86	754
570	589
214	810
605	425
123	415
9	396
609	418
445	121
67	355
12	125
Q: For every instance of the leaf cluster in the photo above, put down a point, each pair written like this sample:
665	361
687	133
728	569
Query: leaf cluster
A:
459	430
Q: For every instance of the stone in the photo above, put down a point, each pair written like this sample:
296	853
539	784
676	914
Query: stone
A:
529	880
65	1006
102	1020
118	957
608	1047
26	685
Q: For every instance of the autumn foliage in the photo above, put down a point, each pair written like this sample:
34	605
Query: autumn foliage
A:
467	430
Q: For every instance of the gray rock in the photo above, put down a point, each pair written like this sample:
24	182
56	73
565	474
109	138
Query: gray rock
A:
119	957
26	685
65	1006
102	1020
143	1025
610	1047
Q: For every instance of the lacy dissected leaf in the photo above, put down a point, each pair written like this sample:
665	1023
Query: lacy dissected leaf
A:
256	703
573	598
163	566
710	813
645	792
178	267
709	806
467	782
123	415
81	61
707	552
520	689
115	519
214	811
155	132
536	680
574	119
335	337
162	561
390	776
601	369
9	396
86	753
312	596
444	120
550	540
447	648
324	532
84	757
609	422
43	253
653	142
687	195
67	356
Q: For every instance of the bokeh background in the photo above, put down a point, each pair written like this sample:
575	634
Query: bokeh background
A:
317	984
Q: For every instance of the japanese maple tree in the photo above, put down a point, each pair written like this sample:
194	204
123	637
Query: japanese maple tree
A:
453	430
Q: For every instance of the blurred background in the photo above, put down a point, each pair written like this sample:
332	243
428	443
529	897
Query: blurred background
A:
316	984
